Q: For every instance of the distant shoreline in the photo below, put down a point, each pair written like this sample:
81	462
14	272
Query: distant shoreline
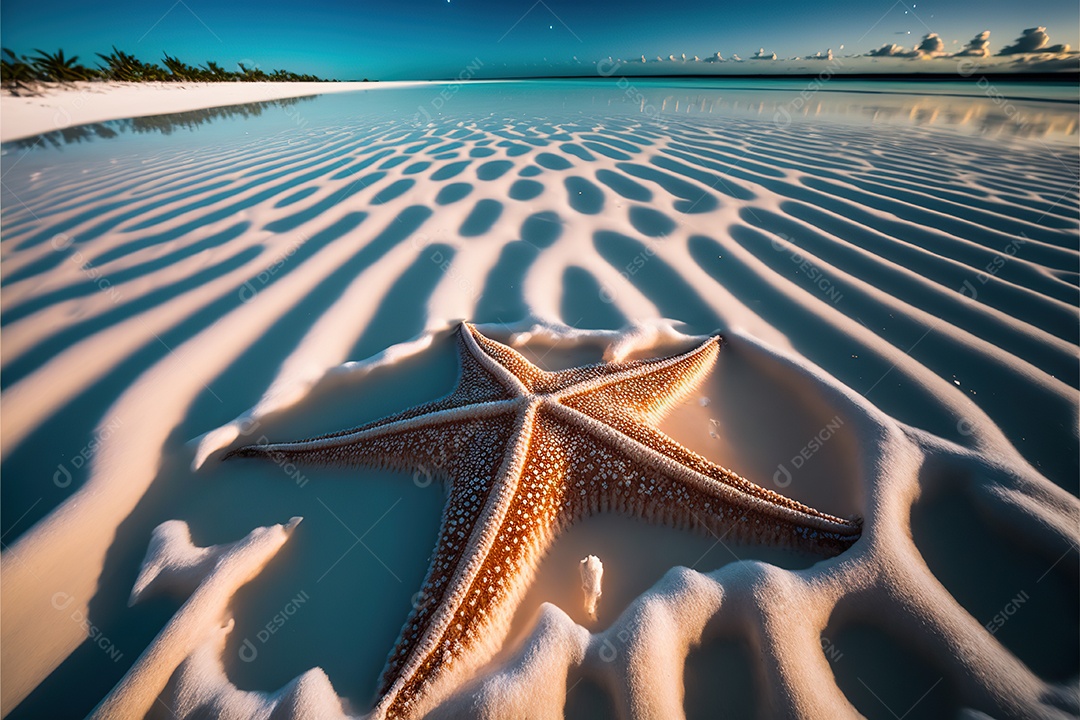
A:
1063	78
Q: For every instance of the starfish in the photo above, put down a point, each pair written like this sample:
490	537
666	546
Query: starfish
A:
525	453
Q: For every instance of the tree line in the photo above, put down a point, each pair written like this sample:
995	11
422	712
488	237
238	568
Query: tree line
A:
23	71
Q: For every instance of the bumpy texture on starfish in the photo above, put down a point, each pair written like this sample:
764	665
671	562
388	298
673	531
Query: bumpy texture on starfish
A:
526	453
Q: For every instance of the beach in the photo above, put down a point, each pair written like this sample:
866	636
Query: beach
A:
893	275
48	108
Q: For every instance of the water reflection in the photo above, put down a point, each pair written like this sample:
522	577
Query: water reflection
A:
1017	111
989	114
161	124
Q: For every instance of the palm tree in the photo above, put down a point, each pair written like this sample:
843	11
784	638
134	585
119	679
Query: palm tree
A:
58	68
252	74
214	72
119	66
180	70
127	68
15	71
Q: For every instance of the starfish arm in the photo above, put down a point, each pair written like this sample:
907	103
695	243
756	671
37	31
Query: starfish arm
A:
474	586
516	373
435	443
495	363
629	467
479	383
645	391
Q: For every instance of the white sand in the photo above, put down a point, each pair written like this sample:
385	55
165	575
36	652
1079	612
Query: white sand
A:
926	384
60	106
210	576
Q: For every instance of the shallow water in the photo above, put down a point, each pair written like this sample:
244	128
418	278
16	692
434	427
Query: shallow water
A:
921	249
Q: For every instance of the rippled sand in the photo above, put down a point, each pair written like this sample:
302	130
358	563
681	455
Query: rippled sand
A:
900	305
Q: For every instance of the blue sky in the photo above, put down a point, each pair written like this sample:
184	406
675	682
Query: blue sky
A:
399	39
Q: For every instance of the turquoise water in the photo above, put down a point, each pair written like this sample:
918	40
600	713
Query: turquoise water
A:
1009	108
937	177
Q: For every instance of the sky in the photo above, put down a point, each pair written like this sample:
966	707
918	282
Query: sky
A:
439	39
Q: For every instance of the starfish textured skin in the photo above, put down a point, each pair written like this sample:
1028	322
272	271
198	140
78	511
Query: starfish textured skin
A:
525	453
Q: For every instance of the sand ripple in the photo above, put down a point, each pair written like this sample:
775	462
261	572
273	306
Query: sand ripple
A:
919	284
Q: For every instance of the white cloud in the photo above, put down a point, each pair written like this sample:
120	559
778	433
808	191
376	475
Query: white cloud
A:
931	46
891	50
979	46
762	55
1031	40
1035	41
819	56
